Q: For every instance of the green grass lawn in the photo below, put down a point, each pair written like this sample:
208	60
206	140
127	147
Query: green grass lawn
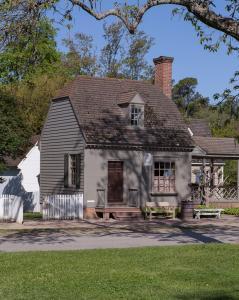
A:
177	272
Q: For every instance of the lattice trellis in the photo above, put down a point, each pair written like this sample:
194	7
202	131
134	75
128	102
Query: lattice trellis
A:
224	193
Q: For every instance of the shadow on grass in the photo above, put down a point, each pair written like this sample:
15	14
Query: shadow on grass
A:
219	295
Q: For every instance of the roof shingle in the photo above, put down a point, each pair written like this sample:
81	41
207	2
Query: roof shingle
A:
199	127
218	146
95	102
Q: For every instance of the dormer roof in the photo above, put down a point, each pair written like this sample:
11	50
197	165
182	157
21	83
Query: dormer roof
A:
130	97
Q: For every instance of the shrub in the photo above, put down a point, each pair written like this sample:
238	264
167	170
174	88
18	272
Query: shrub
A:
231	211
32	216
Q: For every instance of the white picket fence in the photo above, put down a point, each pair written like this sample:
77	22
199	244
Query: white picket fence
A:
63	207
11	209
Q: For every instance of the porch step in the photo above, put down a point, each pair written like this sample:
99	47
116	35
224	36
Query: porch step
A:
127	215
120	213
112	209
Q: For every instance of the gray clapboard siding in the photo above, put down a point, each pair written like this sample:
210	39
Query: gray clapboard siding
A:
61	135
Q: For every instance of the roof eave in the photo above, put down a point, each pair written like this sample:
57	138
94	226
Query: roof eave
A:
138	147
216	155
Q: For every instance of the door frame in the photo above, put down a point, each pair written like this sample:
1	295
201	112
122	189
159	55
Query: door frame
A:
123	202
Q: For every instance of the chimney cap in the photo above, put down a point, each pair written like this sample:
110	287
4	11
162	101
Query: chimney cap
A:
162	59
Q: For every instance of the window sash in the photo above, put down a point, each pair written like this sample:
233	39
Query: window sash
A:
136	113
164	177
72	169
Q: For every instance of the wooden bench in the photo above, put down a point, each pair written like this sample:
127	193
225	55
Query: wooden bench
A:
155	208
208	212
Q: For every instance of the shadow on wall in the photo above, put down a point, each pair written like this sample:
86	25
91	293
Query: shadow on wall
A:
114	129
140	178
14	187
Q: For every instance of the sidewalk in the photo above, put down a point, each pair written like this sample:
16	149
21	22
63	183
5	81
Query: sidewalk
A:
71	235
91	224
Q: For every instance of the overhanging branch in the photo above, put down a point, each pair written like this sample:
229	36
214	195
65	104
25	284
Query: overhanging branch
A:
133	16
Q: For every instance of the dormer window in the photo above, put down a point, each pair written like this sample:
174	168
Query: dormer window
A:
136	114
132	104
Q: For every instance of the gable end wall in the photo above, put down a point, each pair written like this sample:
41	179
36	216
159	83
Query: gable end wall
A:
61	135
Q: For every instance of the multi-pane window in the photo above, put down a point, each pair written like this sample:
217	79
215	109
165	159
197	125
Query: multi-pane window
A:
164	177
72	166
72	169
136	115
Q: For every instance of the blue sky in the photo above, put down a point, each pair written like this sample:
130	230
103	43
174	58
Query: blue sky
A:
173	37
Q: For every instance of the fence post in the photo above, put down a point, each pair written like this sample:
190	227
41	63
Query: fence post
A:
238	179
20	211
1	207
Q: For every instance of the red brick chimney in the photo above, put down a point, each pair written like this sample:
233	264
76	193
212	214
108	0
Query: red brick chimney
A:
163	74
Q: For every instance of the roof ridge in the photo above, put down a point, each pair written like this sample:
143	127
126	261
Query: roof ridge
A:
113	79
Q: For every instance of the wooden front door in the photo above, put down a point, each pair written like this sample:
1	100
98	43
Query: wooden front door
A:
115	182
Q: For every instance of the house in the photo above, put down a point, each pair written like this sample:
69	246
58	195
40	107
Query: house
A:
21	177
120	142
200	130
208	160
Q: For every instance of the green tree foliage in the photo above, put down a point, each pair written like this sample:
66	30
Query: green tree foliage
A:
226	122
111	58
122	55
30	73
230	172
35	97
22	16
22	59
135	65
80	58
23	109
14	133
188	100
222	117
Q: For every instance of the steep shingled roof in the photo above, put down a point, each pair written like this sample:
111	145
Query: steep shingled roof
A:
218	146
103	121
199	127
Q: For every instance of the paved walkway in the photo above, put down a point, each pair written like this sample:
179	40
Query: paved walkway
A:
92	235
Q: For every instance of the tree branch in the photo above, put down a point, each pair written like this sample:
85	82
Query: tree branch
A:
199	8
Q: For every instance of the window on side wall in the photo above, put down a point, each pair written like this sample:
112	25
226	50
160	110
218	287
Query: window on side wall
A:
136	115
72	169
164	177
72	163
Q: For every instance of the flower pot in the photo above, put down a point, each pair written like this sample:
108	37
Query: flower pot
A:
187	210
